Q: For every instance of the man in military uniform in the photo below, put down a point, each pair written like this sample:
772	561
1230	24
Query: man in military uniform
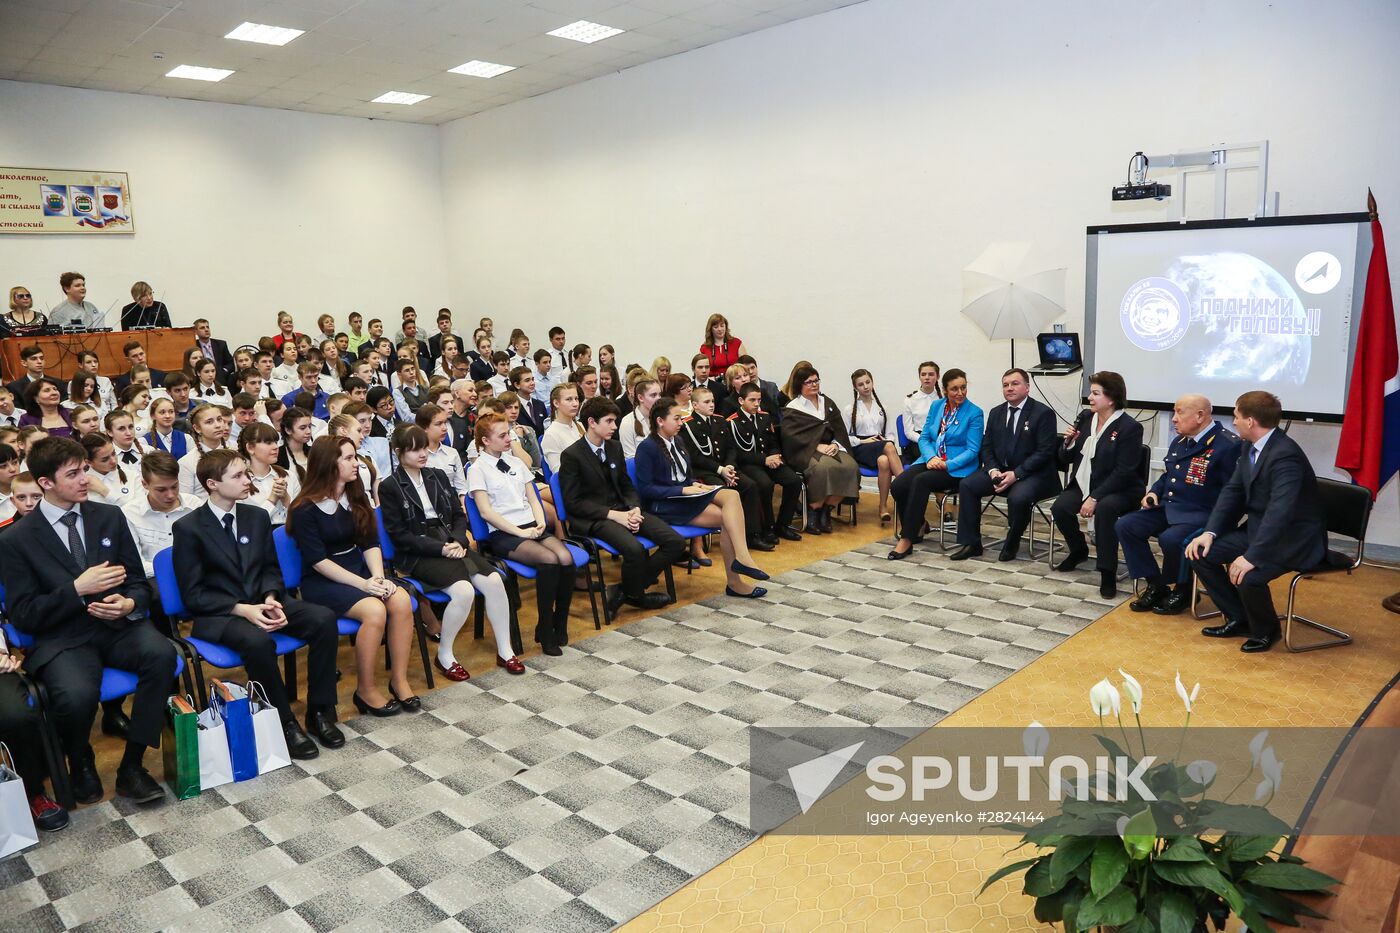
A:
1198	463
758	456
709	445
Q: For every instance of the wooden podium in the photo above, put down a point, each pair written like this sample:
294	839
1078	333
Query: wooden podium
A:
165	350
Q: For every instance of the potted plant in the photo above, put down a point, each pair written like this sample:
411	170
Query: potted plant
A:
1173	864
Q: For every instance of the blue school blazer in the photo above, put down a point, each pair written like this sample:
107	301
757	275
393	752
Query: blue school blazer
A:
963	442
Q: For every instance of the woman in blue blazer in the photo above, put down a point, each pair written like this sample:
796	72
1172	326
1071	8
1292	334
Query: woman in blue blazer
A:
949	448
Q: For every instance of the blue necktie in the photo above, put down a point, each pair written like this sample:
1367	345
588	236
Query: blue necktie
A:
1253	455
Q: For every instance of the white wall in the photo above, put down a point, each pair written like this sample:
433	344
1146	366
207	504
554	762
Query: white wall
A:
240	211
824	182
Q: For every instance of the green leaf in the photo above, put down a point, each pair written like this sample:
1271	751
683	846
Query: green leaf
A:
1005	870
1184	849
1240	818
1177	914
1140	835
1254	921
1038	882
1139	924
1069	856
1051	907
1109	865
1112	747
1249	848
1288	877
1117	907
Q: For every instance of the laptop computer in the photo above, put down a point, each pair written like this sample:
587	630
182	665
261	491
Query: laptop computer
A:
1059	353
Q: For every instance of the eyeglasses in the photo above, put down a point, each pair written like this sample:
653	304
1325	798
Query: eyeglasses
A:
23	295
812	382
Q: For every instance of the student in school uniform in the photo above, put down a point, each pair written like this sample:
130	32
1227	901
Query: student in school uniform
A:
211	430
208	391
152	515
872	437
949	448
296	442
533	413
441	456
707	438
669	490
917	405
634	427
163	434
564	430
272	486
560	358
109	481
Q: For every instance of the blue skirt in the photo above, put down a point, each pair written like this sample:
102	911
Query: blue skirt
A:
337	597
679	511
868	454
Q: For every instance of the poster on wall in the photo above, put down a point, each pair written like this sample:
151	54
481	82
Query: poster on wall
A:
38	200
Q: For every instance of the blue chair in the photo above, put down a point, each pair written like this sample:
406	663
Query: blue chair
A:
116	685
211	652
899	434
688	532
515	569
596	547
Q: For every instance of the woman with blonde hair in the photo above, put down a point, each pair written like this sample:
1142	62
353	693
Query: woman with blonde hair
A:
22	319
660	370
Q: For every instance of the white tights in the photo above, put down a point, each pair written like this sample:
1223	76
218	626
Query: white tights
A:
454	617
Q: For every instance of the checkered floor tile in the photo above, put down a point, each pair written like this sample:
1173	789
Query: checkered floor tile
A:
570	799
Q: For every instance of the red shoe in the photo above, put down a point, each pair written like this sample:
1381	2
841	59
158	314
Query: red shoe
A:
48	816
456	672
514	665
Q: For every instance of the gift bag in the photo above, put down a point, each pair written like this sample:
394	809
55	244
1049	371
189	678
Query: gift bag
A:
232	703
179	747
215	767
16	823
271	742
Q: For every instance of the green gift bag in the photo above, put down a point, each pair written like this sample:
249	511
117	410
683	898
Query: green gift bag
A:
179	748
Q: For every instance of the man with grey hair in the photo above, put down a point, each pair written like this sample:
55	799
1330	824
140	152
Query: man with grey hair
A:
1199	461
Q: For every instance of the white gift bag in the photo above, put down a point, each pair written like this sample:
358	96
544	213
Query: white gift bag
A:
271	742
16	822
215	765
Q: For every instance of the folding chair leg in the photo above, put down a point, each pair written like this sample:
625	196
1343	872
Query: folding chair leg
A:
1339	637
53	749
592	595
420	627
479	630
670	584
289	674
1197	596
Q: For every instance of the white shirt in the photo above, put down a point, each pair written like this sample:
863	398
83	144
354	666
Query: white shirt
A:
11	419
426	500
868	419
559	360
211	395
1259	445
329	383
816	409
545	383
557	437
499	383
54	515
219	514
635	428
449	461
154	531
7	506
508	492
189	482
120	492
916	407
262	494
284	379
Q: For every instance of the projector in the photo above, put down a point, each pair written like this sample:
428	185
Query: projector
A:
1156	191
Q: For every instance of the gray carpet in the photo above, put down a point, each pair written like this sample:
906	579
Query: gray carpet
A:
572	798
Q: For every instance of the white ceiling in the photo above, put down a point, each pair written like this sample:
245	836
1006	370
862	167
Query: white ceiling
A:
355	50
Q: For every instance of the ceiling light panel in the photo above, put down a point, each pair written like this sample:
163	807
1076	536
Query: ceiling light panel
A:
198	73
267	35
584	31
480	69
399	97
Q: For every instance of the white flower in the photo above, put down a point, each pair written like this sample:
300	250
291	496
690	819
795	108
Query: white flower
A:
1201	771
1104	698
1133	689
1256	747
1035	740
1186	699
1273	774
1122	825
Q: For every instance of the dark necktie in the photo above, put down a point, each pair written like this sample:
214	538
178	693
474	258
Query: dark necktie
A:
232	538
1011	415
503	466
1253	454
210	392
676	461
130	457
75	540
602	457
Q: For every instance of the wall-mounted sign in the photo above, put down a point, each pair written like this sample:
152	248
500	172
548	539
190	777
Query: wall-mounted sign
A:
39	200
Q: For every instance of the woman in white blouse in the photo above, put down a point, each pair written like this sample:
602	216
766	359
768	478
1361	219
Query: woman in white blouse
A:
207	390
274	488
563	431
343	425
635	426
211	431
433	420
872	437
108	480
501	487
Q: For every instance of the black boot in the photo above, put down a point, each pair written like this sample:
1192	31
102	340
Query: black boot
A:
1108	584
814	522
825	517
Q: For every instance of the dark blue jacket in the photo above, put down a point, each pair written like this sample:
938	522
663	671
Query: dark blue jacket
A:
1193	474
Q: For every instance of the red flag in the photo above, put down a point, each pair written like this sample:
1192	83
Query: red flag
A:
1369	447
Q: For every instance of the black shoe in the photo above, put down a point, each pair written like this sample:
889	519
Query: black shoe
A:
652	601
553	651
825	513
613	602
322	725
1108	584
1009	552
769	538
137	784
1173	604
752	573
410	703
1071	561
966	551
788	533
757	592
814	522
760	544
87	786
899	555
299	744
1255	645
1150	599
1233	628
686	563
390	708
115	723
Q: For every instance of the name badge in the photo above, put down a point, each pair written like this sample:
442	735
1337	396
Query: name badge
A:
107	542
243	539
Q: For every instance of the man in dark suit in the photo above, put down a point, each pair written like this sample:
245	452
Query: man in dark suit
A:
602	503
1199	462
32	359
444	329
214	349
1275	490
231	584
74	580
1018	462
532	411
136	356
